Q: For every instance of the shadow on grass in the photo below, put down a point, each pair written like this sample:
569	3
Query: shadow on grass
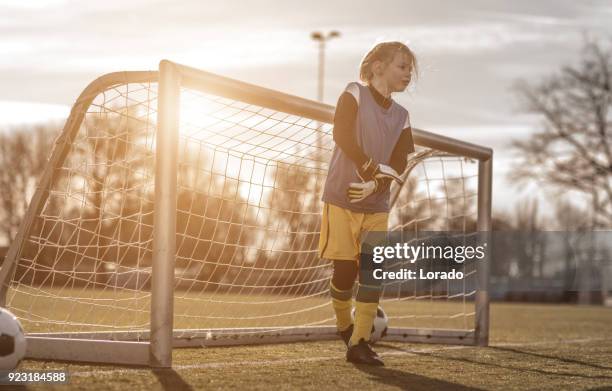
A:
170	380
562	359
409	381
490	363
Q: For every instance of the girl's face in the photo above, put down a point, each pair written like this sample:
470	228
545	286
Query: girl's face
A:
398	72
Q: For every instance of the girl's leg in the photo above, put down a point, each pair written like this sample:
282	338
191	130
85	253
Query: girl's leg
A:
339	241
366	304
341	290
368	292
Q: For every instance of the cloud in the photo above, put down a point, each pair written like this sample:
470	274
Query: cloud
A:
31	5
449	38
15	113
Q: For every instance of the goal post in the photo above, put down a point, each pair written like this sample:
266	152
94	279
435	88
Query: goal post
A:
182	208
164	220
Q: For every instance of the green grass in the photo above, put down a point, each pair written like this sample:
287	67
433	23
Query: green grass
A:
44	309
533	346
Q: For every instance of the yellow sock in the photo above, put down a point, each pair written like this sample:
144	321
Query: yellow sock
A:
365	312
342	303
364	320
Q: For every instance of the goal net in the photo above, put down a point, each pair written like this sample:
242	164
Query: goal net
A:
182	208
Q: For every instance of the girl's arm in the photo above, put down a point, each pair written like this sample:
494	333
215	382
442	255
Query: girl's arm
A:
344	129
404	147
398	160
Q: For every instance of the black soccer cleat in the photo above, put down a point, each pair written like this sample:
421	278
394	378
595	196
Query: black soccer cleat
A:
346	335
362	353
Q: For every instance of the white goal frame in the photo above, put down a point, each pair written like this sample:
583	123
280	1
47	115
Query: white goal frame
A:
120	347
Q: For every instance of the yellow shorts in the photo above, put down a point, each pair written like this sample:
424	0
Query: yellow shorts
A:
341	231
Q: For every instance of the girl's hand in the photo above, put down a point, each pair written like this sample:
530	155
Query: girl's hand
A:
359	191
371	170
383	171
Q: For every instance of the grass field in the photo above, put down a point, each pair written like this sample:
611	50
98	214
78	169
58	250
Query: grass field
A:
45	309
533	346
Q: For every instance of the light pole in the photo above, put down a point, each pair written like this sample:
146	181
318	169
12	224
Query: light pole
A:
322	39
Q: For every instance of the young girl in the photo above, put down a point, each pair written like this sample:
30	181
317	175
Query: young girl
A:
373	138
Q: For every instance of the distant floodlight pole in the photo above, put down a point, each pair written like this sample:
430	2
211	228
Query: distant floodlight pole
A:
322	39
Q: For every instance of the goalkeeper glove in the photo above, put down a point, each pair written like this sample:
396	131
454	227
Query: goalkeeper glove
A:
359	191
371	170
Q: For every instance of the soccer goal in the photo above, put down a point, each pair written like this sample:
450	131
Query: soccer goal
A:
181	208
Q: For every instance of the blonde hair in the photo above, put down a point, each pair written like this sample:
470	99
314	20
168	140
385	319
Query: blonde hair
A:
384	51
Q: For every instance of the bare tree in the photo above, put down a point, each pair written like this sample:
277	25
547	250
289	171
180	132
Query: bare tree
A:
571	220
572	151
530	246
23	155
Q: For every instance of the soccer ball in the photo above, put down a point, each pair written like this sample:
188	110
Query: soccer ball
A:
379	328
12	340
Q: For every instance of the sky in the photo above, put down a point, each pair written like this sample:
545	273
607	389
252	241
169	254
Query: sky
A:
470	53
